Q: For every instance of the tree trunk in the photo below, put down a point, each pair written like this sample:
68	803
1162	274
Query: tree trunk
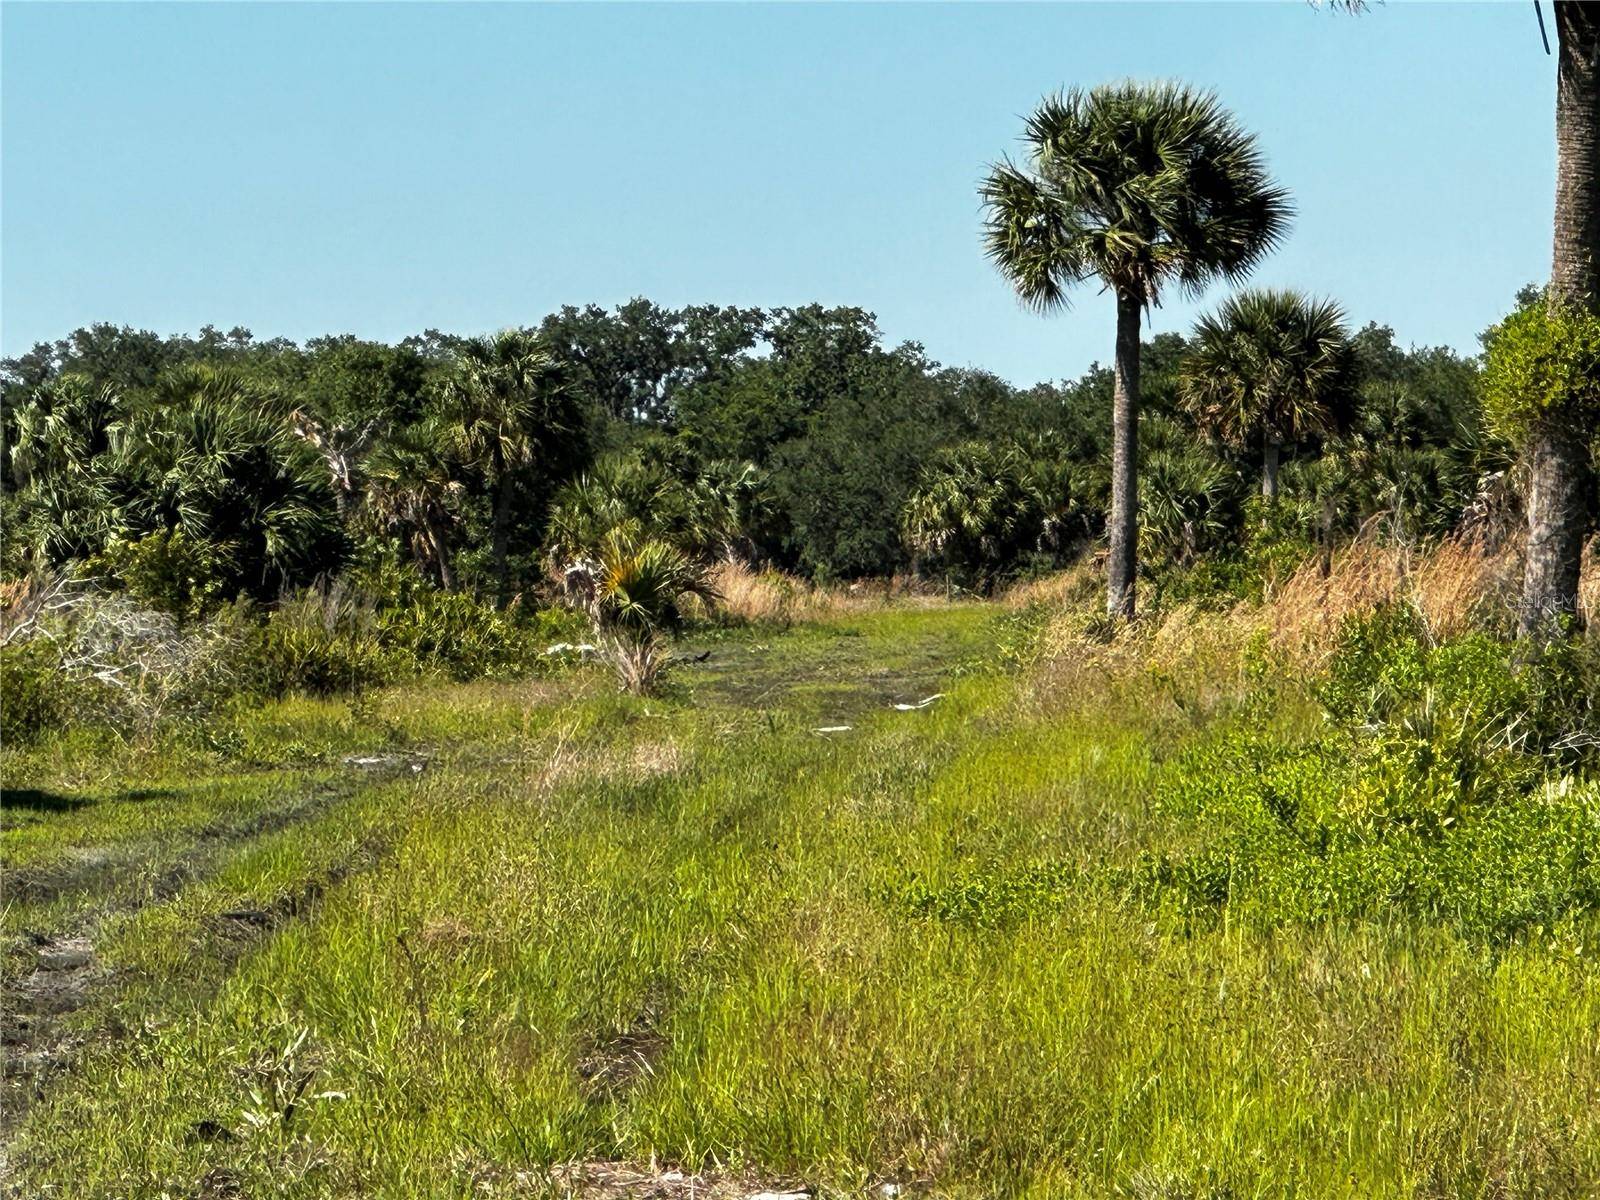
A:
500	531
1269	469
441	552
1558	522
1123	562
1558	458
1575	268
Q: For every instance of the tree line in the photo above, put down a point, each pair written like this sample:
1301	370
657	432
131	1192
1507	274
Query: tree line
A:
793	438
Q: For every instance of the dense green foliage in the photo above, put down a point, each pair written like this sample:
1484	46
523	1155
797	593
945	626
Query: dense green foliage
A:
790	437
1454	781
1543	364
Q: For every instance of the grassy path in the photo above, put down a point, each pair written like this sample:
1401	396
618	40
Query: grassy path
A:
697	933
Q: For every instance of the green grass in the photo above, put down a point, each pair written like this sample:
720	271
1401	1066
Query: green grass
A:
695	931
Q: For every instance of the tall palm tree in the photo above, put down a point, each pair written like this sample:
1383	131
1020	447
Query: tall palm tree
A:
1141	187
497	398
1559	516
1270	368
411	486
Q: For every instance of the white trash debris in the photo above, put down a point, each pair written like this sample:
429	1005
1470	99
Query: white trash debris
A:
831	729
583	649
919	704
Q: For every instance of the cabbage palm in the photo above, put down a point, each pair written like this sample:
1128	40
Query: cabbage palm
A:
65	425
411	486
979	508
499	400
1141	187
58	451
1187	491
1270	368
1561	474
632	589
208	455
726	503
621	494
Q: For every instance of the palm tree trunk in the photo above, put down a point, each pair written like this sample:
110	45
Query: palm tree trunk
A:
1575	269
1558	523
501	529
1123	562
1269	469
441	552
1558	509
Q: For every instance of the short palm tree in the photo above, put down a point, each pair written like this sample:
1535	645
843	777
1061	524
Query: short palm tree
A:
1142	187
498	401
622	495
1270	368
411	487
1186	491
208	455
632	589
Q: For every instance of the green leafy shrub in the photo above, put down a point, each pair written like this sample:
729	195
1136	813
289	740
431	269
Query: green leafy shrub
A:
320	643
1542	364
32	692
328	642
169	572
1450	783
463	638
1272	546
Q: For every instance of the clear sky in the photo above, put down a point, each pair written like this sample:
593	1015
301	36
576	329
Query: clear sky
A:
378	169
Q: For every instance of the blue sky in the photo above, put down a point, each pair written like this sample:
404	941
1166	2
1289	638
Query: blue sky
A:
378	169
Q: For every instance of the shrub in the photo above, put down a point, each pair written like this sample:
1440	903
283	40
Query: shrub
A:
168	572
321	643
463	638
1542	364
1272	547
1436	789
102	659
32	692
633	590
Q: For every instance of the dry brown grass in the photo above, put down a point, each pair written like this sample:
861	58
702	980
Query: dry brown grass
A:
771	597
1459	585
1075	585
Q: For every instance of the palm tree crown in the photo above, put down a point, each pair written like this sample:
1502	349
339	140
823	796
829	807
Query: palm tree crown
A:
411	487
1270	367
501	398
1140	186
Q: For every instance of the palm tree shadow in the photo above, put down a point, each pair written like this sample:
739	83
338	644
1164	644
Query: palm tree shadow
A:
33	800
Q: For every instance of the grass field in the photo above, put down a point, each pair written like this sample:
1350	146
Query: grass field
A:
557	941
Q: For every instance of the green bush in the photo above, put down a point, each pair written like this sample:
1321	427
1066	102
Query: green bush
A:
168	572
1542	364
1272	546
1451	782
463	638
33	694
337	641
320	643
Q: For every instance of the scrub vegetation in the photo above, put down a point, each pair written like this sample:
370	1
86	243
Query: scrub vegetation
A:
708	752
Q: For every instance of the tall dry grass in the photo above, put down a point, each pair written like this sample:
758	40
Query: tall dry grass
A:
749	596
1459	585
1462	583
